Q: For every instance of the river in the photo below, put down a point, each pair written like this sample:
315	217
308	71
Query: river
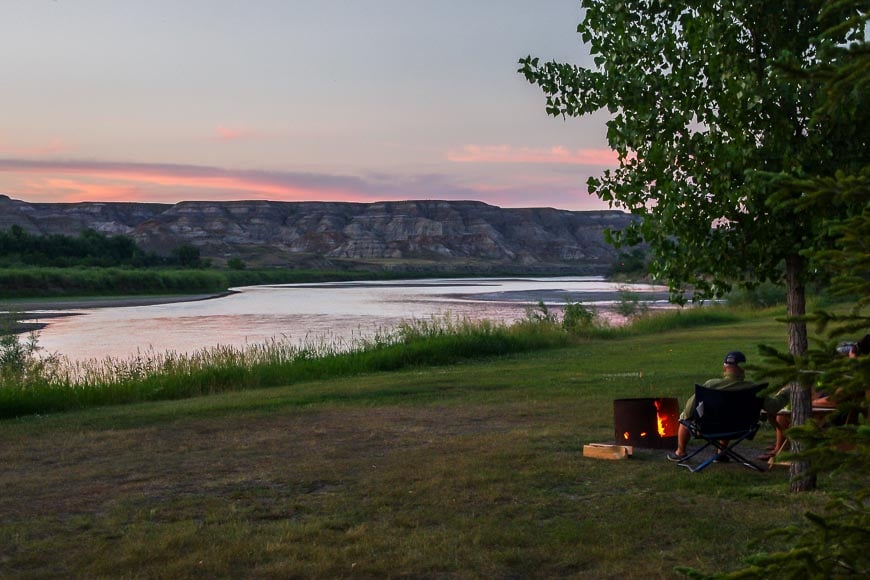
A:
336	312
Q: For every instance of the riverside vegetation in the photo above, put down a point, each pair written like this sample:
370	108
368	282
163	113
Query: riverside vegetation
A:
115	281
95	264
454	463
32	382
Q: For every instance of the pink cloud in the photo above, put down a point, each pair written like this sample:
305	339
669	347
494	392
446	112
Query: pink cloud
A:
509	154
71	190
77	180
86	180
224	133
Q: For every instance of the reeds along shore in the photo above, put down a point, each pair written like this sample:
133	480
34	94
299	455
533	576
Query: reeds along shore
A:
37	383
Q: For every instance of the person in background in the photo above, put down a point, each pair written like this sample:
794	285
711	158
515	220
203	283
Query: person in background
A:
822	404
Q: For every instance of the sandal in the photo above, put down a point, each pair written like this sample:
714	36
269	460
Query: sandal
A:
765	456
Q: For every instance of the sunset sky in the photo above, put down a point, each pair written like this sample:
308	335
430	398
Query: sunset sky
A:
344	100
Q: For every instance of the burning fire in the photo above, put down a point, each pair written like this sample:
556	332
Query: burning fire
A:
646	422
662	420
627	435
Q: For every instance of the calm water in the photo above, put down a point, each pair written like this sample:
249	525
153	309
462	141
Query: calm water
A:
334	311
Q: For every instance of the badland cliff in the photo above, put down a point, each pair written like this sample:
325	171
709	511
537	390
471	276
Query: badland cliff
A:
424	235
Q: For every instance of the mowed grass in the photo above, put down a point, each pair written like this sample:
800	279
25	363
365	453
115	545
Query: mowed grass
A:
467	470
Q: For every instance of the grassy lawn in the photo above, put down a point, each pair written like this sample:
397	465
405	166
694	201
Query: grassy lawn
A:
470	470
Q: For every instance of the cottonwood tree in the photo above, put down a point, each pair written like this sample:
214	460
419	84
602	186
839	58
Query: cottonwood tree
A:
834	538
701	117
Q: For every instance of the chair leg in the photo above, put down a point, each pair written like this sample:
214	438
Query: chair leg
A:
722	449
703	465
729	451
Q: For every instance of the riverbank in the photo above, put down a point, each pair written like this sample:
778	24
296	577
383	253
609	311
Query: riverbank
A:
26	313
22	305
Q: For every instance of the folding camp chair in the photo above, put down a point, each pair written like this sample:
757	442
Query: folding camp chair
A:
724	419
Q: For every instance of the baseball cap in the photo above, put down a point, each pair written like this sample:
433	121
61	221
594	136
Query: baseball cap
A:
735	358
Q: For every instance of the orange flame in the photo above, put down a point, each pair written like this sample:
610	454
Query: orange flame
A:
625	435
662	420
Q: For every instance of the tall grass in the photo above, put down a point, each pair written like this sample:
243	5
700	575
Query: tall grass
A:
582	322
150	376
55	384
652	322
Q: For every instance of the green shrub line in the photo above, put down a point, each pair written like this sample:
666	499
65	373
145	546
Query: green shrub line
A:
80	281
48	384
51	282
58	282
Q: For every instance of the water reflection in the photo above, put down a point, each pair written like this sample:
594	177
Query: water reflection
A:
332	311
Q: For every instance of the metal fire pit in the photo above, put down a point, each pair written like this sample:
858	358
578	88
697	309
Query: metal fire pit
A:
651	422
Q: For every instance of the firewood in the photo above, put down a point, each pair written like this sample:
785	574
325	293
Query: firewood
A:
607	451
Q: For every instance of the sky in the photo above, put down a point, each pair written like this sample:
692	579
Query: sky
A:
290	100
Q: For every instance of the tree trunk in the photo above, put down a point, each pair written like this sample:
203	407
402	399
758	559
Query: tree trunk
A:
801	394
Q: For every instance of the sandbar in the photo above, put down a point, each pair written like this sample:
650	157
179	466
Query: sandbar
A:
24	311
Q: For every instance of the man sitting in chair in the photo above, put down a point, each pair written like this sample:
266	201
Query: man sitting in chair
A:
733	379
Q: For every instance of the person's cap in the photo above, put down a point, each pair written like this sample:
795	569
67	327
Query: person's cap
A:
735	358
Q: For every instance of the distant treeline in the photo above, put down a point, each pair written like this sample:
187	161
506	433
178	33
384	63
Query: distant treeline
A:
18	248
60	282
96	264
